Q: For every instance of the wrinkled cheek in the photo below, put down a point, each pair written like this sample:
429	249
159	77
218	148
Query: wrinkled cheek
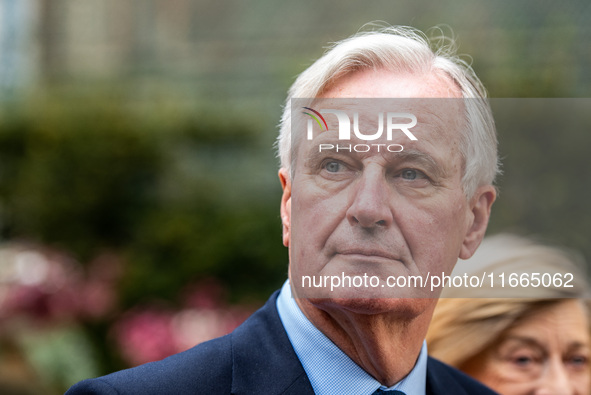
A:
316	213
438	236
314	219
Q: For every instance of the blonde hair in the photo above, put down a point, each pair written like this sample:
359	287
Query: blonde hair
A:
480	320
404	49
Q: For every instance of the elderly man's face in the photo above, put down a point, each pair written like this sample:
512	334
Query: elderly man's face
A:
383	213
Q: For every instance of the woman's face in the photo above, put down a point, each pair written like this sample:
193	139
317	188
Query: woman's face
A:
546	353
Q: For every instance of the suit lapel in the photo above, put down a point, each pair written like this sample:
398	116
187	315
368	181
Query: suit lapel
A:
263	359
443	380
440	382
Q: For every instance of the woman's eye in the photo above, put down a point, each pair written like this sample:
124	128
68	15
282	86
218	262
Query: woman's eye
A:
522	361
578	360
526	361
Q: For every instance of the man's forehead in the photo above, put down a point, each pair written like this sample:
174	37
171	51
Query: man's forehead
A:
368	109
382	82
364	91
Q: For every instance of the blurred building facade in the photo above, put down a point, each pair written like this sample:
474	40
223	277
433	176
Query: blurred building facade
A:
250	51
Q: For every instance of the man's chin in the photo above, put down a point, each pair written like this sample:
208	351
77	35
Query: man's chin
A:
405	308
365	293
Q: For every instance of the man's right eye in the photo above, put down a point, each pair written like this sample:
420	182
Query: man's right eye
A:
333	166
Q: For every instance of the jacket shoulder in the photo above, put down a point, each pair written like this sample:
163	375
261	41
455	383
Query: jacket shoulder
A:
203	369
256	358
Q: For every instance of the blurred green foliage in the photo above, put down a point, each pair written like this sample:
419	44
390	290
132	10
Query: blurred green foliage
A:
175	192
75	176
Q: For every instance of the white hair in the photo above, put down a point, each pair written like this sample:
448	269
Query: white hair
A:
404	49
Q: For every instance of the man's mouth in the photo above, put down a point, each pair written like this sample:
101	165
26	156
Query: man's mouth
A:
370	253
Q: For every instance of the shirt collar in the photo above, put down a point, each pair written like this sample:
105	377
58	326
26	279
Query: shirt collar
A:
329	369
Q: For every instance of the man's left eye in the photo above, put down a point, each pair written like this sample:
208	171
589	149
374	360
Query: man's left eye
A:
411	174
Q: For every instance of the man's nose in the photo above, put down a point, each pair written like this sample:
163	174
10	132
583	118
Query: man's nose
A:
555	381
370	206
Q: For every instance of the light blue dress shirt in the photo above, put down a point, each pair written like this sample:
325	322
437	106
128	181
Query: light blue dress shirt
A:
329	369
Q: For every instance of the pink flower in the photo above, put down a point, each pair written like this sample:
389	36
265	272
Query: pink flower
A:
145	336
47	286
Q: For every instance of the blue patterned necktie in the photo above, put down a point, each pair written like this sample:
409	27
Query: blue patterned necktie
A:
391	392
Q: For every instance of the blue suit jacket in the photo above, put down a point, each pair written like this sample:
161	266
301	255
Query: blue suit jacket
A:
257	358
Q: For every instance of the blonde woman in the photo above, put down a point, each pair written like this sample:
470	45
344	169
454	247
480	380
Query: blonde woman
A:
521	339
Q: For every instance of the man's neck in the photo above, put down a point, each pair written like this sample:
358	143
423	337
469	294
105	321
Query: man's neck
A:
384	345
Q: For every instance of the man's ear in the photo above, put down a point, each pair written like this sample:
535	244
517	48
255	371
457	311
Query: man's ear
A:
480	206
285	204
